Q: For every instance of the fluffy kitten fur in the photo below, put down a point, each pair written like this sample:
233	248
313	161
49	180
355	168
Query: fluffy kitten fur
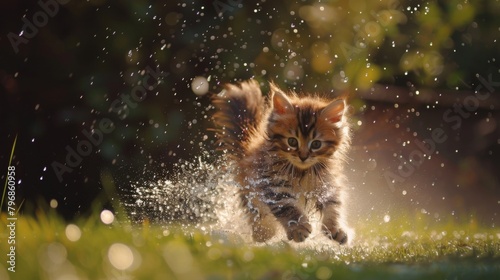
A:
288	152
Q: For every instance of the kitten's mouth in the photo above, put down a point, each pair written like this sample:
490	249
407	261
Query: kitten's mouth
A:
302	165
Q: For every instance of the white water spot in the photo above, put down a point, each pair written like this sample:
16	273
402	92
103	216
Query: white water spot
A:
53	203
73	232
324	273
107	217
387	218
120	256
200	86
56	253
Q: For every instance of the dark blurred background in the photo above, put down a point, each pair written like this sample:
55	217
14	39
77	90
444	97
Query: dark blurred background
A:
412	69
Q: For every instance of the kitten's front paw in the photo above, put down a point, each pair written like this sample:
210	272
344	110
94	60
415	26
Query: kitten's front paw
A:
336	234
298	231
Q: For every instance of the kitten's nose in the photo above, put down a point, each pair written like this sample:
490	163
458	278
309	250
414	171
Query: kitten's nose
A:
303	157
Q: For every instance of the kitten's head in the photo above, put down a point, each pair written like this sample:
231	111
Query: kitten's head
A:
307	131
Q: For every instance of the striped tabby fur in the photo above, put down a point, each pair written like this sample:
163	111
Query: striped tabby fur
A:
288	152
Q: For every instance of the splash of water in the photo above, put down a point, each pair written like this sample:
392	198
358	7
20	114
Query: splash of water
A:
203	195
198	194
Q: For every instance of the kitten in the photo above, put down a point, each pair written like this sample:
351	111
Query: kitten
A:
288	152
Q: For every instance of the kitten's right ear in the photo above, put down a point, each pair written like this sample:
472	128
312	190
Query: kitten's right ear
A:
281	104
334	111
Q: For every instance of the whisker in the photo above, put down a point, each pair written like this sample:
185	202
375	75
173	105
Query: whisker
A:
284	169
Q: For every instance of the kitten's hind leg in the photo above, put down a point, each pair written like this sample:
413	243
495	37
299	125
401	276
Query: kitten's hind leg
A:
331	216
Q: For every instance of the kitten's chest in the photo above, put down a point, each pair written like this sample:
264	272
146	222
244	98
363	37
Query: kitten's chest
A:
307	184
308	201
306	191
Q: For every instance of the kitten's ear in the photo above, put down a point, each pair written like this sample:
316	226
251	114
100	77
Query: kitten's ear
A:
334	111
281	104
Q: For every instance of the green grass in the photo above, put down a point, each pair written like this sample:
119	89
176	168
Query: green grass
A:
393	250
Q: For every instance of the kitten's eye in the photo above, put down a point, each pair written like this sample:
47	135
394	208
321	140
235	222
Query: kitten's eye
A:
316	144
293	142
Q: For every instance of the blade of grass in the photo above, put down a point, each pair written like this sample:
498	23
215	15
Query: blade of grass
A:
109	188
7	177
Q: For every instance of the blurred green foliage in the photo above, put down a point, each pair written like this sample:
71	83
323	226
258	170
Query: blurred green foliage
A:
48	248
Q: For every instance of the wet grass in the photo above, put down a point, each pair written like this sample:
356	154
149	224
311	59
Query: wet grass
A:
48	248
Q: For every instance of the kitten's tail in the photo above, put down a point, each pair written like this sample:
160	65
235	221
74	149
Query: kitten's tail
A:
239	110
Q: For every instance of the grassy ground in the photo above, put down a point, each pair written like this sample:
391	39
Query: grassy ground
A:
47	248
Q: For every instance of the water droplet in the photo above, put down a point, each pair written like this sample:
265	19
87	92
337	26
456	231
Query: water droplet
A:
73	232
107	217
53	203
324	273
387	218
120	256
56	253
200	86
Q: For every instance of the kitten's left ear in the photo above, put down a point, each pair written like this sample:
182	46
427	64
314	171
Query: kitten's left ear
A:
281	103
334	111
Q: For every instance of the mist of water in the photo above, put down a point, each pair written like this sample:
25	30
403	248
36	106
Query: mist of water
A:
202	195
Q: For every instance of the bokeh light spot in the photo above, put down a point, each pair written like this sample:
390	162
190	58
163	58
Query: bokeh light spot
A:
107	217
200	86
120	256
73	232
